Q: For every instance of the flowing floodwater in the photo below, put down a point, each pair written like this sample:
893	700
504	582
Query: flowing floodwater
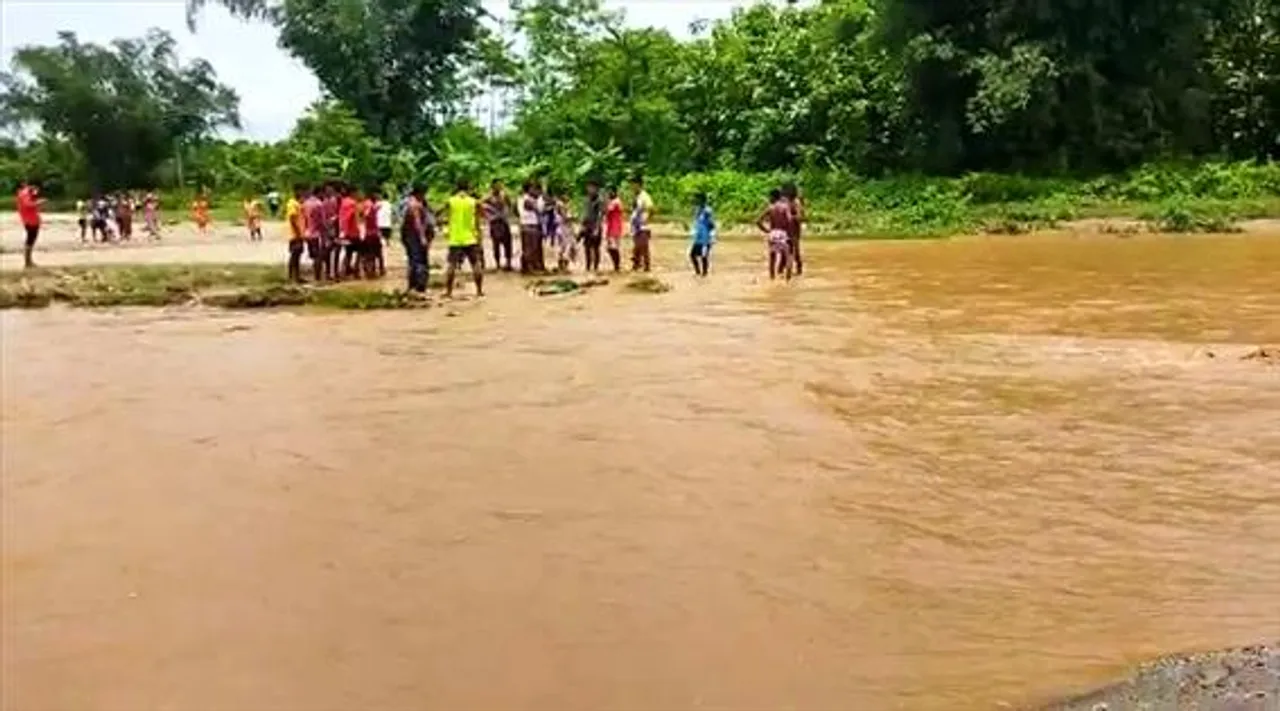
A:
958	475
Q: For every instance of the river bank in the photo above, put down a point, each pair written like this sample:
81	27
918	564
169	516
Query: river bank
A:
1242	679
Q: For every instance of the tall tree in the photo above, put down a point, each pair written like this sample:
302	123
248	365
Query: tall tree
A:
1093	84
399	64
123	107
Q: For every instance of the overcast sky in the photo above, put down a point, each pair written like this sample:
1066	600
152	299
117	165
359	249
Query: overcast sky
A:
273	87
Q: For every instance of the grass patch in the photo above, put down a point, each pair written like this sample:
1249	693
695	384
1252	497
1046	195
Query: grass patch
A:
648	285
564	285
1184	215
231	286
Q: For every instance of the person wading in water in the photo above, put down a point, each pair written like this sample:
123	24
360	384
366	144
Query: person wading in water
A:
792	195
776	223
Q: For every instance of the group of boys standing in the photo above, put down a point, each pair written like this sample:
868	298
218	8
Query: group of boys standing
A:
344	233
341	231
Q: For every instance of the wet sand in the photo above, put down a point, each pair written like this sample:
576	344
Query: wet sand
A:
986	473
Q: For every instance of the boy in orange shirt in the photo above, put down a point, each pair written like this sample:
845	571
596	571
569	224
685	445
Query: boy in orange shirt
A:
349	229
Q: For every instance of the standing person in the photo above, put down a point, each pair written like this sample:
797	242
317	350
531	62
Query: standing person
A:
124	216
385	219
413	232
349	230
776	223
704	235
297	233
101	220
82	219
792	195
29	204
200	213
565	241
371	248
531	258
592	226
497	212
464	238
383	208
547	211
313	219
330	244
641	214
613	229
151	214
253	218
273	202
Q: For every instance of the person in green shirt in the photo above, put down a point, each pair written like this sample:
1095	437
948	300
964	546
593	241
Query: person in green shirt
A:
464	237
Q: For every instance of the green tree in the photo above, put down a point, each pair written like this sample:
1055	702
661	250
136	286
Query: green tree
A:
1088	84
398	64
124	108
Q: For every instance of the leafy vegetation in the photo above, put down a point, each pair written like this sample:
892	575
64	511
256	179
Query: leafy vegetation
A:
895	116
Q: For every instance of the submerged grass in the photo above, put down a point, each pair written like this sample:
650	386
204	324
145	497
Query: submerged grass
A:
648	285
233	286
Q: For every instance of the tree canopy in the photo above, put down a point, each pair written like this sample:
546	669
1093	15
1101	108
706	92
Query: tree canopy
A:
862	87
121	107
399	65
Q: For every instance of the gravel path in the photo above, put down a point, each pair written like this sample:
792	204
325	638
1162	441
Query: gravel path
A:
1245	679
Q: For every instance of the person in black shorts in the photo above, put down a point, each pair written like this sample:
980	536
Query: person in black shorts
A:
592	226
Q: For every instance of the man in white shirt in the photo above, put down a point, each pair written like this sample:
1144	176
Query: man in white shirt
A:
382	207
531	259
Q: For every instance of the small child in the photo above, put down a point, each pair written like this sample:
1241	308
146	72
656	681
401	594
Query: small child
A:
704	235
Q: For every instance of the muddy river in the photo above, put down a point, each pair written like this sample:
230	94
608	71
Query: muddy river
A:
975	474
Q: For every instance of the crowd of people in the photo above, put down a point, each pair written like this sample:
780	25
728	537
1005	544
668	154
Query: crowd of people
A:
344	231
109	217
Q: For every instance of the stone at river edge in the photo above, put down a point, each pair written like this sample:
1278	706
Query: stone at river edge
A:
1246	679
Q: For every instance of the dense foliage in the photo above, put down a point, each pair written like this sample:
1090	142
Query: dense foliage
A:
110	115
834	92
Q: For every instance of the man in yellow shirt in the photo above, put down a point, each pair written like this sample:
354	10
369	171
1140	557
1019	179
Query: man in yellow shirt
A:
464	237
641	214
297	233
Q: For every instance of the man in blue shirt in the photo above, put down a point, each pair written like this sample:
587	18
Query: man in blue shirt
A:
704	235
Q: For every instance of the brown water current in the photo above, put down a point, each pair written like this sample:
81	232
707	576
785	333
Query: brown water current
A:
973	474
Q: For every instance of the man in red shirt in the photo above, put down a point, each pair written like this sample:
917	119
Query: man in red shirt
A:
29	202
349	228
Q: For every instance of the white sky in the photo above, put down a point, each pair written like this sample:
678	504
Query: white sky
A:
274	88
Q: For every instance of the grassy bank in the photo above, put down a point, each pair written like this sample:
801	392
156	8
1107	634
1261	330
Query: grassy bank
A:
1205	197
234	286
